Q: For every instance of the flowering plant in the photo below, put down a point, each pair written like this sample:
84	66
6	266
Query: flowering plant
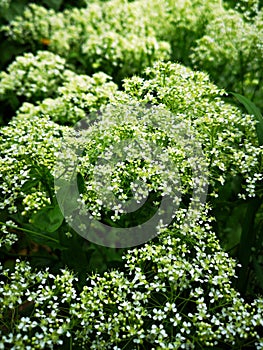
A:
130	185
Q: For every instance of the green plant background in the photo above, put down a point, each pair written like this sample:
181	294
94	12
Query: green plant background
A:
198	286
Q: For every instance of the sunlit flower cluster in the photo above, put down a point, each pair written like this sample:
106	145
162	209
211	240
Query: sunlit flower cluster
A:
121	38
113	36
78	96
228	136
129	152
33	77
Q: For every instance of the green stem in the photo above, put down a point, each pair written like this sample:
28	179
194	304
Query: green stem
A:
29	231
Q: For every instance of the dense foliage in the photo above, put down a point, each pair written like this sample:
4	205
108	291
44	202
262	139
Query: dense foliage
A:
82	80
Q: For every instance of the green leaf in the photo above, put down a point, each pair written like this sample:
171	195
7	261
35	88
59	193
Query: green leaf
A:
54	4
67	194
253	110
36	235
29	185
48	219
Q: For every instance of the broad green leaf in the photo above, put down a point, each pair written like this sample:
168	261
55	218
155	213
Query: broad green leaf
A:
253	110
67	195
48	219
54	4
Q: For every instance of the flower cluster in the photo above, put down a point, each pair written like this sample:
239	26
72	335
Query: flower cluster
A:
122	38
77	97
27	157
24	291
187	22
166	135
128	146
228	136
191	110
112	36
176	293
33	77
8	235
231	51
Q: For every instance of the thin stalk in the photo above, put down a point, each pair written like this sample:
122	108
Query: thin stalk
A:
30	231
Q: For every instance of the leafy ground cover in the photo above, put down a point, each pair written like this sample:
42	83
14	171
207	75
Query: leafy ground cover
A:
176	86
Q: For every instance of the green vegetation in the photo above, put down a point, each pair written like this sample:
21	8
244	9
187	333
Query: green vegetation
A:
176	86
